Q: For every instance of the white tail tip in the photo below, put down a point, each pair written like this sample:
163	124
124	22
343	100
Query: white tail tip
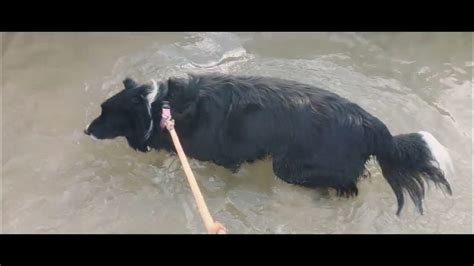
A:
439	152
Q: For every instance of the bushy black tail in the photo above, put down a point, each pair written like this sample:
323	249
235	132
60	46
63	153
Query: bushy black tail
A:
410	160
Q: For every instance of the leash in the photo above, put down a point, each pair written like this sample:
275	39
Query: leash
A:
212	226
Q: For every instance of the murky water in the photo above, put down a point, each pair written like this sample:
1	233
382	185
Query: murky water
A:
56	180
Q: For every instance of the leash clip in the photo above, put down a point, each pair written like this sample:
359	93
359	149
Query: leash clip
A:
165	114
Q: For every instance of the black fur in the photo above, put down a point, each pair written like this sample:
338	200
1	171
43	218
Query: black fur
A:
315	138
408	151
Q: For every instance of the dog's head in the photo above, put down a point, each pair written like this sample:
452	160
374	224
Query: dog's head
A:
128	114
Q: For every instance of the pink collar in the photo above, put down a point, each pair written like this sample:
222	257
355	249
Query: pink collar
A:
165	114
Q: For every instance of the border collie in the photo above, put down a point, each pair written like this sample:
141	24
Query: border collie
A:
314	137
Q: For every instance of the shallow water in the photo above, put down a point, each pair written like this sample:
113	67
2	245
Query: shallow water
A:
57	180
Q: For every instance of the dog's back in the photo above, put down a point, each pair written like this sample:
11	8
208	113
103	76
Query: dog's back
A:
244	118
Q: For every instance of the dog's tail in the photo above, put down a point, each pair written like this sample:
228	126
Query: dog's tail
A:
410	160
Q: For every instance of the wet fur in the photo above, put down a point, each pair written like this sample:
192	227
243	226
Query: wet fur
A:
314	137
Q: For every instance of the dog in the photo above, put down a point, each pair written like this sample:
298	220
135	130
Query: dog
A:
314	137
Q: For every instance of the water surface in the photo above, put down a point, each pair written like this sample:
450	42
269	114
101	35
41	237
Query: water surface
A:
56	180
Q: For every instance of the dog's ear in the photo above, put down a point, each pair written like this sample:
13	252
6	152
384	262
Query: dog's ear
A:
129	83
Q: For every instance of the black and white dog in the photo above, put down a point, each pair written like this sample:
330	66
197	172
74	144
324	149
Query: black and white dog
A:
314	137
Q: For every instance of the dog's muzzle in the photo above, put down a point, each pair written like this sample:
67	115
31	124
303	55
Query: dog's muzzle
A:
86	131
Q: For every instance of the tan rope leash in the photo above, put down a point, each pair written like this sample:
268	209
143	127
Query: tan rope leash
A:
212	226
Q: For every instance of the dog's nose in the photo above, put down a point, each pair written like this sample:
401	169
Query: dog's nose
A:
86	131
